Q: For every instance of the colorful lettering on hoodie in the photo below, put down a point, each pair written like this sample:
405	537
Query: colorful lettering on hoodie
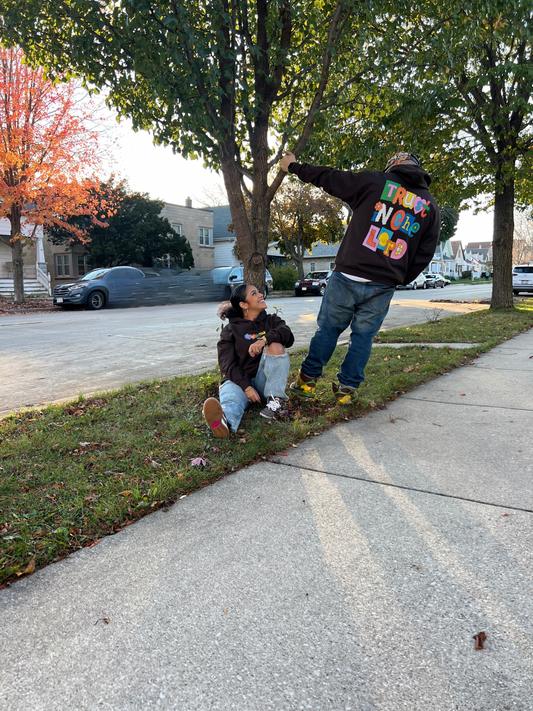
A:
394	214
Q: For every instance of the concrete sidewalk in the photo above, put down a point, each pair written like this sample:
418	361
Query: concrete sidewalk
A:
350	574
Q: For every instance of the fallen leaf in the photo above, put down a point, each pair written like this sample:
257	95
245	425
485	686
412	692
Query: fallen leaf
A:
242	440
198	462
408	369
284	454
463	394
25	488
126	493
29	568
506	514
480	637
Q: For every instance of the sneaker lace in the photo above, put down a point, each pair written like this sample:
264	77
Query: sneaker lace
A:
274	404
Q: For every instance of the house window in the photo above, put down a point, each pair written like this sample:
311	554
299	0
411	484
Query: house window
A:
62	265
313	266
332	265
205	236
176	227
82	264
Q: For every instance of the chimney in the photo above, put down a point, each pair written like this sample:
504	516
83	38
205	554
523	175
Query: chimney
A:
188	202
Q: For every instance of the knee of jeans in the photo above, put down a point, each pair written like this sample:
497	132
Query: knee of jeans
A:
275	349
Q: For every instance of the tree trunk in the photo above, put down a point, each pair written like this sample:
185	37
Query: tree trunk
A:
18	262
502	247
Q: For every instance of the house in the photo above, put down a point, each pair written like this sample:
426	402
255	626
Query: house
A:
68	262
223	239
460	265
196	225
480	251
37	281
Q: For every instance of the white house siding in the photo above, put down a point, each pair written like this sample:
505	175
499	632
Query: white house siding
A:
224	256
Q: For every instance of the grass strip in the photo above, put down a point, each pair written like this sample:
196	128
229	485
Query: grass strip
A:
71	474
490	325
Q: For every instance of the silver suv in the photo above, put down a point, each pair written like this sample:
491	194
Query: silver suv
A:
522	278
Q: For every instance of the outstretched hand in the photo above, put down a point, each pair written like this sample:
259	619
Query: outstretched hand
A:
285	162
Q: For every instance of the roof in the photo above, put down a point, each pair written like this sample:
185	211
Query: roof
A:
221	220
323	250
478	246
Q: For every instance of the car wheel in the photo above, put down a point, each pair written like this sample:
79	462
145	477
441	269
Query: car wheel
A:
414	285
442	285
515	292
96	301
424	286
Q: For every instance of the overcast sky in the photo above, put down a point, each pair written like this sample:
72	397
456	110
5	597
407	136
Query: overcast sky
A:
162	174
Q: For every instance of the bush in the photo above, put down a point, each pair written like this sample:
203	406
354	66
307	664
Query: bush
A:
283	277
466	275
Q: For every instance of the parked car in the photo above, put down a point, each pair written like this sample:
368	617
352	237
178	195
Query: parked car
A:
418	282
233	276
522	278
312	283
119	286
435	280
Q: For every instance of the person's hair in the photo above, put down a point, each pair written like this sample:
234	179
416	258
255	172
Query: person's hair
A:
233	306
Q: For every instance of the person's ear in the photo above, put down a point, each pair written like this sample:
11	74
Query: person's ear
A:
243	305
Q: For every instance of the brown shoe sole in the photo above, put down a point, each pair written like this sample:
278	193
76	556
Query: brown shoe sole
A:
214	416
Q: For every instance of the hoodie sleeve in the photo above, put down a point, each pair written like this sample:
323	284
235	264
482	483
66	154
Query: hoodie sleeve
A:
341	184
426	248
228	361
278	331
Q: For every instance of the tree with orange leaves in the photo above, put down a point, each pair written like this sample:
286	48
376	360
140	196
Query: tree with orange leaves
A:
47	153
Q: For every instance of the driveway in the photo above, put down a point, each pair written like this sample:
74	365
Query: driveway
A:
51	357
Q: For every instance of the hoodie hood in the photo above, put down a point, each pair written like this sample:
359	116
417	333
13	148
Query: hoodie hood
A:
414	175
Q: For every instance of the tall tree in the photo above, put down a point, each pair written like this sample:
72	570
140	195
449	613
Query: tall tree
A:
302	216
134	234
457	89
45	152
236	81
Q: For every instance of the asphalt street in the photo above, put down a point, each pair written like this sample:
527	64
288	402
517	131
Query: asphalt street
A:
49	357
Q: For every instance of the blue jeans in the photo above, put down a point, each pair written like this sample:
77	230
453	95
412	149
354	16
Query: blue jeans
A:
270	381
363	307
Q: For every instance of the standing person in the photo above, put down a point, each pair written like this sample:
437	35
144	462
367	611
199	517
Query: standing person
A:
391	238
252	359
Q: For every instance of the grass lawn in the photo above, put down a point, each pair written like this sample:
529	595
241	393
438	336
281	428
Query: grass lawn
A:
71	474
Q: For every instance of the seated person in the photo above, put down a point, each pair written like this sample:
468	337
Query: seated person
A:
252	360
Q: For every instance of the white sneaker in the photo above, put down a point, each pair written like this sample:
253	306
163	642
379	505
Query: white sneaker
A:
275	407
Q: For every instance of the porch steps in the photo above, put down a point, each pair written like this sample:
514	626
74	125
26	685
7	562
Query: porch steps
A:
31	288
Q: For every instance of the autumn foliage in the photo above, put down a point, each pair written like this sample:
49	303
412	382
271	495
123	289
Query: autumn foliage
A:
48	153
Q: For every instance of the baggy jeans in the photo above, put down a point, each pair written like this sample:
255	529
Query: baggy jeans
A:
270	381
360	305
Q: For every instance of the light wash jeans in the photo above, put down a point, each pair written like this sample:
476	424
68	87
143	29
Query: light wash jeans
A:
270	381
360	305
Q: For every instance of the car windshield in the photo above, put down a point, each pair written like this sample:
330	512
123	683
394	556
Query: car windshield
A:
523	270
95	274
316	275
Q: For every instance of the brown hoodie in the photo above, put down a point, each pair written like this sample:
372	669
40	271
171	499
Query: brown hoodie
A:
235	363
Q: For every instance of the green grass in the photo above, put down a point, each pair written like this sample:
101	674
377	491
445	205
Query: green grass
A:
491	326
71	474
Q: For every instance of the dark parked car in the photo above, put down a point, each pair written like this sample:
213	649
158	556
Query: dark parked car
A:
118	286
312	283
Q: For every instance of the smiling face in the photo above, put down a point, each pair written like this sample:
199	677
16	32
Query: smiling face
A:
254	302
